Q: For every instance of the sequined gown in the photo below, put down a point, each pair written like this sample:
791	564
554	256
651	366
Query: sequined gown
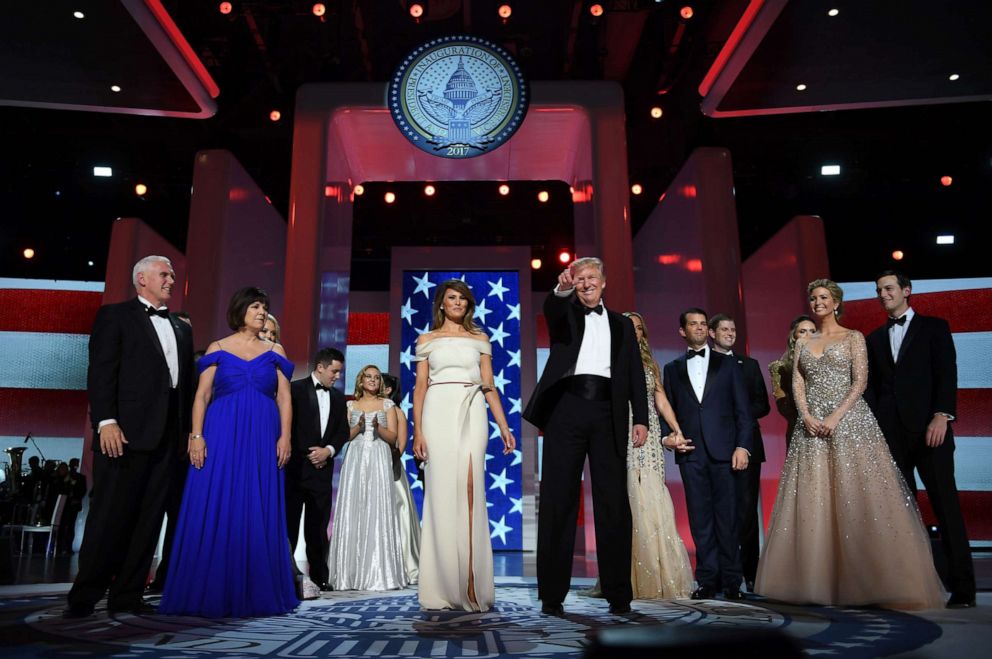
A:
845	529
366	545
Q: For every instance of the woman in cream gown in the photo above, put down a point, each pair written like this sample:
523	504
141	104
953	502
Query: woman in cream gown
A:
845	530
451	430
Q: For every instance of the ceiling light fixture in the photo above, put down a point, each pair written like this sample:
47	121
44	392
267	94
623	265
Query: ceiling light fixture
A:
898	255
833	12
947	239
319	9
225	8
115	88
359	190
389	197
78	14
686	12
656	112
596	10
141	189
543	196
416	10
953	77
28	253
830	170
275	115
800	87
429	190
504	189
505	11
103	172
946	181
636	189
535	264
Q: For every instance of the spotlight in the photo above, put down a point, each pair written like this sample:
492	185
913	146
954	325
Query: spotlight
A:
504	12
946	181
115	88
686	12
90	263
225	8
275	115
105	172
800	87
830	170
543	196
953	77
535	264
416	10
389	197
28	253
898	255
596	10
564	256
694	265
504	189
636	189
319	9
78	14
833	12
656	112
945	240
141	189
429	190
359	190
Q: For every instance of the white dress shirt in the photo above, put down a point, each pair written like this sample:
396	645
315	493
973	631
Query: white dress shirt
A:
324	409
898	332
697	367
594	353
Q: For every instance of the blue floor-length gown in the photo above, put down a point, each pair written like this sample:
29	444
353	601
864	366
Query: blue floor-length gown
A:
231	557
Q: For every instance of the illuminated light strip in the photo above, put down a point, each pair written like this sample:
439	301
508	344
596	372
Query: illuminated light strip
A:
44	360
52	285
179	41
734	40
865	290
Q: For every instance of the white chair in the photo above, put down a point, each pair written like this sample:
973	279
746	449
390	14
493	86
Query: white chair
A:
52	528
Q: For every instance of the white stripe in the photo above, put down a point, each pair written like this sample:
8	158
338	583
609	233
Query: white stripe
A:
974	359
62	449
355	357
972	459
52	285
865	290
43	360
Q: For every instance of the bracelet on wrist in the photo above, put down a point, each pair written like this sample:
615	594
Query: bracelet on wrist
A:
196	437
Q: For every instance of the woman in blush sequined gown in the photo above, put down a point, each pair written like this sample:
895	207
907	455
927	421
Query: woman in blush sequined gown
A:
366	547
230	557
659	566
845	530
451	431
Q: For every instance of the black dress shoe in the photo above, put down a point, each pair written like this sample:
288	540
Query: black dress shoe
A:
139	608
959	601
733	594
155	588
703	593
619	609
750	586
78	610
325	587
553	610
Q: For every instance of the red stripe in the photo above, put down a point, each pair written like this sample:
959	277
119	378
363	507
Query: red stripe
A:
368	328
63	312
965	311
974	418
543	339
975	507
43	412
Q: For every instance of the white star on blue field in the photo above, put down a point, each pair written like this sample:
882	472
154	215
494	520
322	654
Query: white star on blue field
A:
497	298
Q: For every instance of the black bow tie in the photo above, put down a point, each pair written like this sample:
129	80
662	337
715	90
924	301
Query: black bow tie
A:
598	309
319	387
896	321
161	313
695	353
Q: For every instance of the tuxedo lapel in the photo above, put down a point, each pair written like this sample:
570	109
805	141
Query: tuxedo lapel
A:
914	329
314	408
145	322
711	371
682	368
616	338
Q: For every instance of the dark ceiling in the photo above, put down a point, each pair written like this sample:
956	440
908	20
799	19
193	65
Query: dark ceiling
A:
888	197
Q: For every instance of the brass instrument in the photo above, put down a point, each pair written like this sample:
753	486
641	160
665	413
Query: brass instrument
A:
14	471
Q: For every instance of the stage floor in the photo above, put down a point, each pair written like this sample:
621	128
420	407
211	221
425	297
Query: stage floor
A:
352	624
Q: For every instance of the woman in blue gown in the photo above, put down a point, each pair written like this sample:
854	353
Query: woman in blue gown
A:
230	557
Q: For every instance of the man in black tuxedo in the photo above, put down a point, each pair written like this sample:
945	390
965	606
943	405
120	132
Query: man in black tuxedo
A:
912	389
709	397
723	332
593	375
320	429
140	388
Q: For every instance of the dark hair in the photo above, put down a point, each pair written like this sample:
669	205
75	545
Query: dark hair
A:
183	314
240	302
901	279
717	319
326	356
798	319
390	381
73	460
468	321
683	317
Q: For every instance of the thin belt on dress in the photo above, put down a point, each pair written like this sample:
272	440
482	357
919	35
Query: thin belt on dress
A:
472	388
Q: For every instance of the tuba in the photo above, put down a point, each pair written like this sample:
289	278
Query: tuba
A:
14	471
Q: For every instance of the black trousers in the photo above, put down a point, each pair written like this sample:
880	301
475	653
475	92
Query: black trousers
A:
936	469
748	484
711	501
174	503
123	524
312	498
580	428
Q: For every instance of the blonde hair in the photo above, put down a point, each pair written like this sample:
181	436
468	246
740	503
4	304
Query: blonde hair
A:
360	390
645	348
275	327
468	321
589	262
835	292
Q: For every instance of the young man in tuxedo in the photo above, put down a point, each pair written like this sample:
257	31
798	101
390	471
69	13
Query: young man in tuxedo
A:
140	388
320	429
723	332
912	389
709	397
593	375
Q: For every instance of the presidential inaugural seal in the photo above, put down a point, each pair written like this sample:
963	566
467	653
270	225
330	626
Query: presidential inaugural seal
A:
458	97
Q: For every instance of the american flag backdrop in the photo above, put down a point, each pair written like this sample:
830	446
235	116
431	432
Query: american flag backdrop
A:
497	297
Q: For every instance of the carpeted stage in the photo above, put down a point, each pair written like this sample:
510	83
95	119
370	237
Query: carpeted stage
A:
354	624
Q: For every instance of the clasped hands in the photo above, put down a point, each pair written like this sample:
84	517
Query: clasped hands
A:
818	428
